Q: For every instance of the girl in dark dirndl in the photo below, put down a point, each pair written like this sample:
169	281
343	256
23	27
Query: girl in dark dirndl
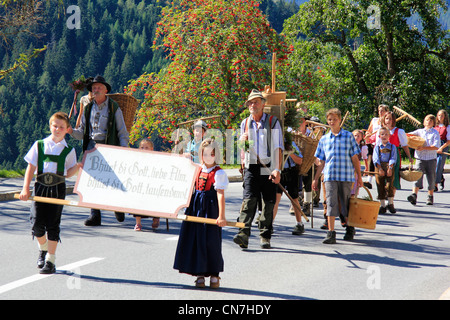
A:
199	249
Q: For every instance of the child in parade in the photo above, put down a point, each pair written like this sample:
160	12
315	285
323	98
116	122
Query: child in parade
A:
443	127
399	139
370	137
384	159
426	158
53	160
338	154
305	182
289	180
145	144
359	137
193	146
199	249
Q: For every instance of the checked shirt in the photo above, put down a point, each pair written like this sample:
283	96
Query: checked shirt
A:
337	151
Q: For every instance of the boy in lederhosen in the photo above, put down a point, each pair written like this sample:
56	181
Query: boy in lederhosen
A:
384	159
53	160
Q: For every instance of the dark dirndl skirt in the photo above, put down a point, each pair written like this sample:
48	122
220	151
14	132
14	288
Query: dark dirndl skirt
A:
199	250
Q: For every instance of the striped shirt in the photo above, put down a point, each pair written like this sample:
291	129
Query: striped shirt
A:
337	152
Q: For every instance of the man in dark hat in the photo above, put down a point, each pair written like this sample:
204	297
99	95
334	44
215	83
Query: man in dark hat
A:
102	122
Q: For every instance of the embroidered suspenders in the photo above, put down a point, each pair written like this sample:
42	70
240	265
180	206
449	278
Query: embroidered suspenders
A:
50	179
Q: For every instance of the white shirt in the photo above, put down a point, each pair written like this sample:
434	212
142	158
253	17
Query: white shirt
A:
51	148
402	137
98	126
375	127
221	178
257	133
432	139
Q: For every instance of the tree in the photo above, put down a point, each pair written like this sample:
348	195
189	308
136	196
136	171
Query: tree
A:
219	50
17	18
360	55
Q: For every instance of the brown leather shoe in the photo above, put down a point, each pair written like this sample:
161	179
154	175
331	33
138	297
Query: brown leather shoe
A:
216	283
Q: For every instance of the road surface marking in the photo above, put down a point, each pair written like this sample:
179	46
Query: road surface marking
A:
19	283
445	295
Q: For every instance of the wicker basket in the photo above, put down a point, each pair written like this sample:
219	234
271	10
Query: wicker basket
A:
363	213
128	104
415	141
277	111
274	98
307	146
410	175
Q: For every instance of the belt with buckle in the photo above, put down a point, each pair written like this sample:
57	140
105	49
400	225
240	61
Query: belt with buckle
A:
50	179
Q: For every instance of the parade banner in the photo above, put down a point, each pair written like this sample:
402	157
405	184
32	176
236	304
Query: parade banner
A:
135	181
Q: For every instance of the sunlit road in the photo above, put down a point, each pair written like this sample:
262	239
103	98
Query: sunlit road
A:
406	257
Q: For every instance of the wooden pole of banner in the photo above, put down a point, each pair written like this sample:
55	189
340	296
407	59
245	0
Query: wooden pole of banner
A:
178	217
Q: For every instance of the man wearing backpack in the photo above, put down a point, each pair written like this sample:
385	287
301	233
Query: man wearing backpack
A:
102	122
264	149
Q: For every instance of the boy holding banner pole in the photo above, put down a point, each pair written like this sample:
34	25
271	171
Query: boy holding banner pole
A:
53	160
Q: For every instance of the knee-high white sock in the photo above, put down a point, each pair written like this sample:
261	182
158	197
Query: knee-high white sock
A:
43	247
50	257
308	197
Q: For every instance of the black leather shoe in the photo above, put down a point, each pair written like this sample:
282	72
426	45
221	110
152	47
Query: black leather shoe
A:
95	219
120	216
48	268
41	259
412	198
391	208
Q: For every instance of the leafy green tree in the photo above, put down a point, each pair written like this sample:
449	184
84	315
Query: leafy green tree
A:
359	56
218	50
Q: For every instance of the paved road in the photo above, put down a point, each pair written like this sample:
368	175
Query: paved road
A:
406	257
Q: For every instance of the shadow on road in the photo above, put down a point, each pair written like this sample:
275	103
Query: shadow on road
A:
175	286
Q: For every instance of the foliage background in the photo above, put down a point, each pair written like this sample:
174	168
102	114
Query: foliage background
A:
116	41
